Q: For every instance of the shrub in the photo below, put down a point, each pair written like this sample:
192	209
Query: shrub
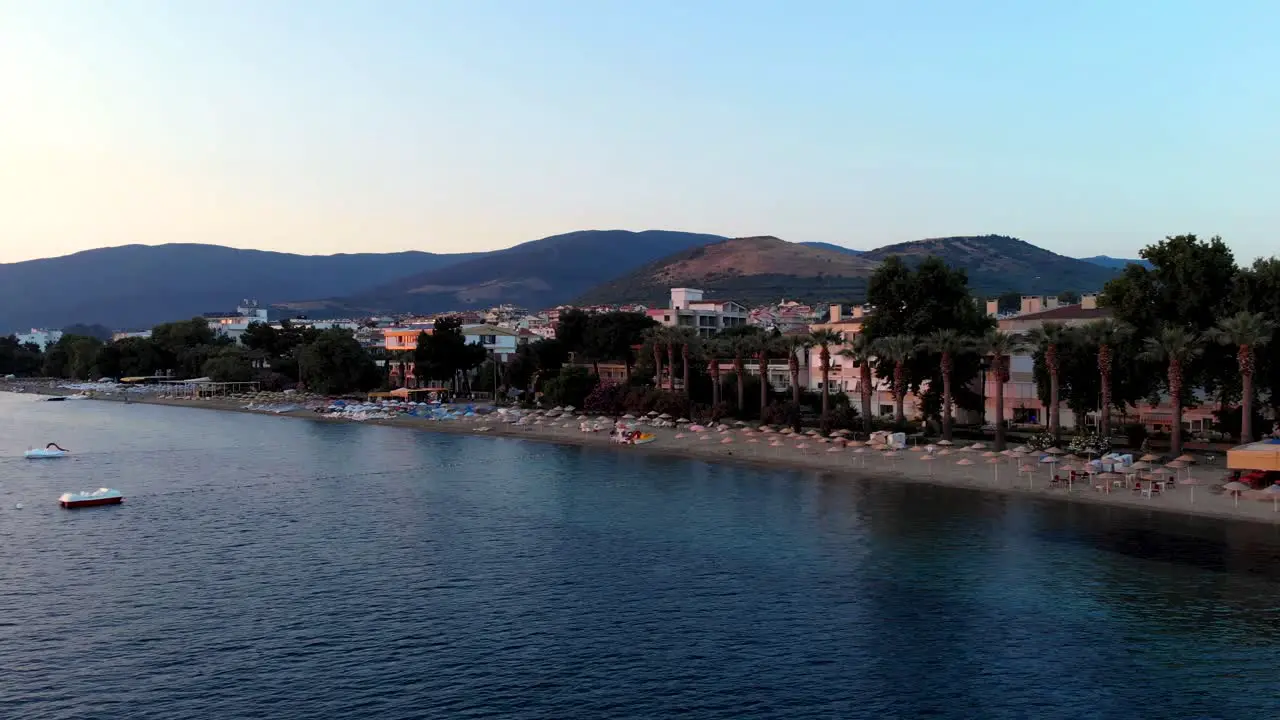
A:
1040	441
1089	442
608	399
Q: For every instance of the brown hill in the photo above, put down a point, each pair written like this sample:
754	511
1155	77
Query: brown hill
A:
750	270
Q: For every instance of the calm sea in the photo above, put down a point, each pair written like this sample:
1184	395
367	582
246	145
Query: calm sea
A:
273	568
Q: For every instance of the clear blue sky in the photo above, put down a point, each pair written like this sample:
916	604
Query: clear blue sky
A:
1085	127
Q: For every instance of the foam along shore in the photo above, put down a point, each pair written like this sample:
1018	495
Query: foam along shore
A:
1195	487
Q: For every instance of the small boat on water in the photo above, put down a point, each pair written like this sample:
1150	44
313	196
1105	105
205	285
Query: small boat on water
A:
84	498
52	450
56	398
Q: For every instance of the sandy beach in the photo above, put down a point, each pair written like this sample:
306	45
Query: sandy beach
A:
953	467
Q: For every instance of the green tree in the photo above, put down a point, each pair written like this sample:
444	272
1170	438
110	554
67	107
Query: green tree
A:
1000	346
1049	340
1177	348
21	359
570	387
947	344
860	351
334	363
825	340
714	348
1258	291
688	340
445	353
1191	283
1245	331
897	350
572	329
613	335
916	303
230	364
741	346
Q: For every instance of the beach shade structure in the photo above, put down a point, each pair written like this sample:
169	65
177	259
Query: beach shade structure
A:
944	443
1030	470
1141	465
1054	451
753	440
740	423
943	452
1235	487
892	455
978	446
835	448
929	459
628	416
917	448
569	408
1108	479
856	443
1024	449
1272	493
652	413
704	437
991	454
964	462
680	436
1192	483
682	421
802	447
664	416
727	440
1149	458
1185	458
995	462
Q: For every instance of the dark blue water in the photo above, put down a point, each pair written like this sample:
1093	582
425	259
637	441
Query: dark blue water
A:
272	568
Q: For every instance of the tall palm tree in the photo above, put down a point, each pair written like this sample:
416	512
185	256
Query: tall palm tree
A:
1177	348
948	343
672	337
767	346
1105	335
999	346
713	347
897	349
688	340
860	350
824	339
1048	338
656	337
742	346
1247	331
796	344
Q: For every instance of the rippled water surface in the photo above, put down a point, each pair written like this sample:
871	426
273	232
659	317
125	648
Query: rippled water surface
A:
271	568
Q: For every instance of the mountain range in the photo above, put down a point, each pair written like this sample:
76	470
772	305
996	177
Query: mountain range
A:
136	286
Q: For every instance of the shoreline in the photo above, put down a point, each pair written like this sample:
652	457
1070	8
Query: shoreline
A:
979	477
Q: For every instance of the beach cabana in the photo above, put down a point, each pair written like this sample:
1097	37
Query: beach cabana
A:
1263	455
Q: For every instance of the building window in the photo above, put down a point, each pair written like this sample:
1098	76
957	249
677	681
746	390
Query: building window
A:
886	410
1026	416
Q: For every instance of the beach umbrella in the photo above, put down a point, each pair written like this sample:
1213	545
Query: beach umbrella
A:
682	420
943	452
704	437
991	454
978	446
727	439
1192	482
664	416
1149	458
855	443
802	447
995	462
1272	493
753	440
679	436
1054	451
1030	470
929	459
1185	458
1022	449
628	416
944	443
964	462
1141	465
835	448
1109	478
1235	488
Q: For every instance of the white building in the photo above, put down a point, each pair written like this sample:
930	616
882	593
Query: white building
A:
708	317
498	341
233	325
126	334
37	336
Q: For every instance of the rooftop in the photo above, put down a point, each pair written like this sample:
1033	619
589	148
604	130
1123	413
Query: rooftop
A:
1064	312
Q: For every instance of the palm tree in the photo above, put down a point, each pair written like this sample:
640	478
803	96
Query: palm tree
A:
1105	335
1047	339
859	351
766	347
672	337
948	343
1177	348
796	344
713	347
656	337
1000	346
1247	331
742	345
824	339
688	339
897	349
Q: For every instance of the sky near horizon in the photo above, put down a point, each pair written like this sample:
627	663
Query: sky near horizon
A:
329	126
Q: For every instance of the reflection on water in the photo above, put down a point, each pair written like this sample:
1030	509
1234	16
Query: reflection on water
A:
287	569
